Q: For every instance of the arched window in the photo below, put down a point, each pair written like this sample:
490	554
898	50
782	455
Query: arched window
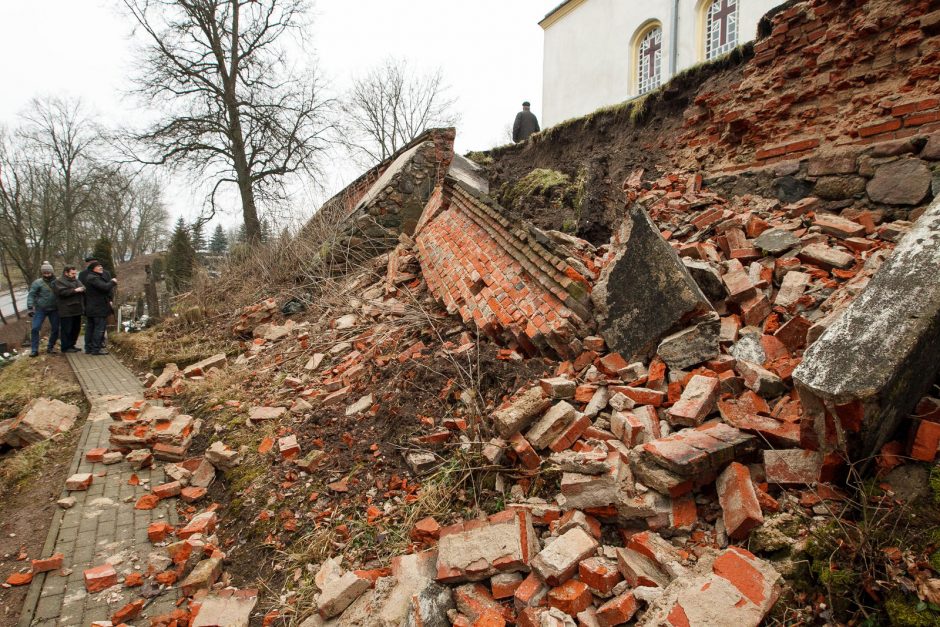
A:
721	28
649	60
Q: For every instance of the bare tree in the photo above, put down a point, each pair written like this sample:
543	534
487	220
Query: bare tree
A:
66	138
233	108
392	105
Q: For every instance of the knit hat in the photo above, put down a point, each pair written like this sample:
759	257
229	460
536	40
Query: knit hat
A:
46	267
90	258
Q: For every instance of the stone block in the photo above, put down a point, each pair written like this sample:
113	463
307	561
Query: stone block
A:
558	561
879	357
692	345
476	550
201	368
645	291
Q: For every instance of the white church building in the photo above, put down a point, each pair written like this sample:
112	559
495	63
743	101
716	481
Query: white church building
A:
602	52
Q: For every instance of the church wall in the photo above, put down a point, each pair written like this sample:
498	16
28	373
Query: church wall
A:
589	55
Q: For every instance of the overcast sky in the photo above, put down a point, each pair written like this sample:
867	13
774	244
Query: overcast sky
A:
490	52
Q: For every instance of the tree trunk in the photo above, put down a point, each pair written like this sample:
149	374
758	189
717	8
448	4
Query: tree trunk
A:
242	170
6	275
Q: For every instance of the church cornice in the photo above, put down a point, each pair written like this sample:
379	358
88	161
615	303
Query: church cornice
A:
559	12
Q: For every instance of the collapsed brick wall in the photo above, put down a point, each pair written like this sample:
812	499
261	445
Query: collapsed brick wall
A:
497	275
829	74
831	93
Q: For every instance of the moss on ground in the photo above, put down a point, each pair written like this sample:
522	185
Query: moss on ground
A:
538	182
24	380
909	611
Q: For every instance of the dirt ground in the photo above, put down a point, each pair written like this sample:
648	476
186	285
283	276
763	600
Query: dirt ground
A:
14	332
27	508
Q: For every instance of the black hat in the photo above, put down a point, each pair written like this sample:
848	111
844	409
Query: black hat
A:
90	258
526	104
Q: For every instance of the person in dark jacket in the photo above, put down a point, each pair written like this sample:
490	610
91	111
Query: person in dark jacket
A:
41	304
70	296
526	124
89	260
98	297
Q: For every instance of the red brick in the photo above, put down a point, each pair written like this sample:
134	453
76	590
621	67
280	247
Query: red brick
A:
531	592
426	530
504	585
734	564
95	455
574	431
167	490
133	580
158	531
490	618
128	612
740	508
643	396
48	564
147	501
99	578
617	611
599	573
881	127
19	579
926	441
611	364
697	401
571	597
524	451
190	494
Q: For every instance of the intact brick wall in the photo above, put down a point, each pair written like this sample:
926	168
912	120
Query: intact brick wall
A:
497	275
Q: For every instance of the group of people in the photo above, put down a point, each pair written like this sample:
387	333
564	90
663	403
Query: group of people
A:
63	301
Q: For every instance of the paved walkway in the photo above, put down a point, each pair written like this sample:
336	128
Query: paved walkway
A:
103	525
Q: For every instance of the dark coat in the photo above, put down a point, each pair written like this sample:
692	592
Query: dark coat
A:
71	303
83	275
526	123
98	296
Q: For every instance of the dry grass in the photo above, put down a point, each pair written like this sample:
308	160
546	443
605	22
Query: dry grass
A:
23	380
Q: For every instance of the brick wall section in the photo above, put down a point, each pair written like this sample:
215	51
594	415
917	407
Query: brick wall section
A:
494	273
831	73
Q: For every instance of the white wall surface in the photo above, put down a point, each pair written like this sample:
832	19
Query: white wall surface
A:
588	54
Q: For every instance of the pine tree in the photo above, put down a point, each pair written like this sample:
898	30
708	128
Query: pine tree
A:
181	259
219	243
196	237
102	252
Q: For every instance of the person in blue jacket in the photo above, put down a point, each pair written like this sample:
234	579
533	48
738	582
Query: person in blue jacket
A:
41	305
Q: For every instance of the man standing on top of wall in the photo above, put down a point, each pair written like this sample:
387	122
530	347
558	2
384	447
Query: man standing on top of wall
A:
526	124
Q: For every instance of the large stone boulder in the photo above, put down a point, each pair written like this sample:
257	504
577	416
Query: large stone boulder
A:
645	292
903	182
881	355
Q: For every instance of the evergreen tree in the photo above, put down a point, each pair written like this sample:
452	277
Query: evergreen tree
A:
181	259
196	237
219	243
265	230
102	252
241	237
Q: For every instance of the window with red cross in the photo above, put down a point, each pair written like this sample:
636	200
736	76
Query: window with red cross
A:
721	28
649	61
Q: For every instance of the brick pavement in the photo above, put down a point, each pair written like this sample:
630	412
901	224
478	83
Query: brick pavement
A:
103	525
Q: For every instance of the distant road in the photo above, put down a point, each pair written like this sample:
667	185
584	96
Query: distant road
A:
6	303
